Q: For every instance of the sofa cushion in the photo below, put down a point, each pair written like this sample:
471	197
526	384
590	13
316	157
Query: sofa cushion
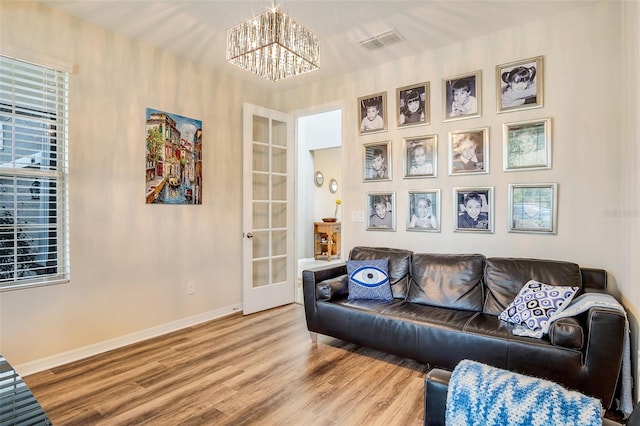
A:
504	277
369	280
399	263
447	280
537	303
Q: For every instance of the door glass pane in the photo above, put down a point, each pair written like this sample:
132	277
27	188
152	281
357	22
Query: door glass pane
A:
279	273
260	158
279	243
279	160
279	189
279	135
260	273
260	187
260	244
260	215
260	129
279	215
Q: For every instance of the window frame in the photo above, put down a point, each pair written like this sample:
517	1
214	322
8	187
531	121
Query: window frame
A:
50	124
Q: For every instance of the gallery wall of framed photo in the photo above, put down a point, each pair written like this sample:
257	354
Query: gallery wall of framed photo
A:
585	143
526	146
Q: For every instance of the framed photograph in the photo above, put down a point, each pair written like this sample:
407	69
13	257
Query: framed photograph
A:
469	151
519	85
376	164
462	96
526	145
381	207
473	209
413	105
421	156
372	117
423	210
533	208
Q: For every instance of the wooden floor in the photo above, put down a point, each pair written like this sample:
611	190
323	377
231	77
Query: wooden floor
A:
258	369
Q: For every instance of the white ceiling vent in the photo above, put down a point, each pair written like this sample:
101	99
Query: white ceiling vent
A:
381	40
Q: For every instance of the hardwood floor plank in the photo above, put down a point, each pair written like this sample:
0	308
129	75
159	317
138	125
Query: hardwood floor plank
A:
261	369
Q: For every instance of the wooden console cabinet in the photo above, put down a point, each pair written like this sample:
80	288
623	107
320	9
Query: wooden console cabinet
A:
326	240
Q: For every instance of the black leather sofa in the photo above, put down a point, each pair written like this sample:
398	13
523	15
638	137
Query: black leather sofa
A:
446	308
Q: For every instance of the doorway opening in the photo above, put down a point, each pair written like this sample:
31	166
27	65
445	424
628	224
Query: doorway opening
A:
319	182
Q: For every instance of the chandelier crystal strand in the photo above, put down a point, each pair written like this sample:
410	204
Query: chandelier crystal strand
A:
273	46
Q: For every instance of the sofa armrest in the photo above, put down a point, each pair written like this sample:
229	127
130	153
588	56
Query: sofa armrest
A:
603	352
331	275
435	396
332	288
322	273
310	280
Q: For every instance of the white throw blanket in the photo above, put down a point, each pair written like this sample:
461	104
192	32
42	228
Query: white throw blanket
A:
582	304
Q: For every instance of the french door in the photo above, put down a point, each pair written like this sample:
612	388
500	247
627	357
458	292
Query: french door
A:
268	209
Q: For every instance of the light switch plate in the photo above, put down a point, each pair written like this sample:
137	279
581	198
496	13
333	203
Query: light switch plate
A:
357	216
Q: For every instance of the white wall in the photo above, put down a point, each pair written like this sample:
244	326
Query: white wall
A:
130	261
593	135
629	180
581	98
329	162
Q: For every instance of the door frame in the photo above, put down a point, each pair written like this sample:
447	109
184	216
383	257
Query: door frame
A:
299	186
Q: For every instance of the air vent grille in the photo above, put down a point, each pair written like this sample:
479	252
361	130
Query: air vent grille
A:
380	40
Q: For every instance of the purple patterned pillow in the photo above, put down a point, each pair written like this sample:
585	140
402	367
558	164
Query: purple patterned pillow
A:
537	303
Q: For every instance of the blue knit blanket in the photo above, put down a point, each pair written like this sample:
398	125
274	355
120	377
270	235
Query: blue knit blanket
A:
482	395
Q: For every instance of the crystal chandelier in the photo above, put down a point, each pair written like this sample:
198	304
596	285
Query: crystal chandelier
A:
273	45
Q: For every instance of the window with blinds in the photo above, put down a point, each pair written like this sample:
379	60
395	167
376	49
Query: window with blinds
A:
33	174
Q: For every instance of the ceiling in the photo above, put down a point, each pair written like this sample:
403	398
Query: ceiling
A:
196	29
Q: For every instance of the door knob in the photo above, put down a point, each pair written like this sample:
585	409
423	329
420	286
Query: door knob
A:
249	234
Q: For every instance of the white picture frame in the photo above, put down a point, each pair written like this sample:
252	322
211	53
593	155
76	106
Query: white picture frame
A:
420	156
473	209
423	210
533	208
469	151
526	145
381	208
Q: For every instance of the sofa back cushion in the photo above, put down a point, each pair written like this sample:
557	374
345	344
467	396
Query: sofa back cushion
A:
399	263
504	277
447	280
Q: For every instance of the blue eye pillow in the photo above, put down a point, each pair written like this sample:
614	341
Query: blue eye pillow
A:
369	280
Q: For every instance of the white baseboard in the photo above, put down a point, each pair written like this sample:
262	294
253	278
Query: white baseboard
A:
97	348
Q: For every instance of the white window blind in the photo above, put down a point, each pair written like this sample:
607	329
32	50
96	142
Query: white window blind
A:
33	174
